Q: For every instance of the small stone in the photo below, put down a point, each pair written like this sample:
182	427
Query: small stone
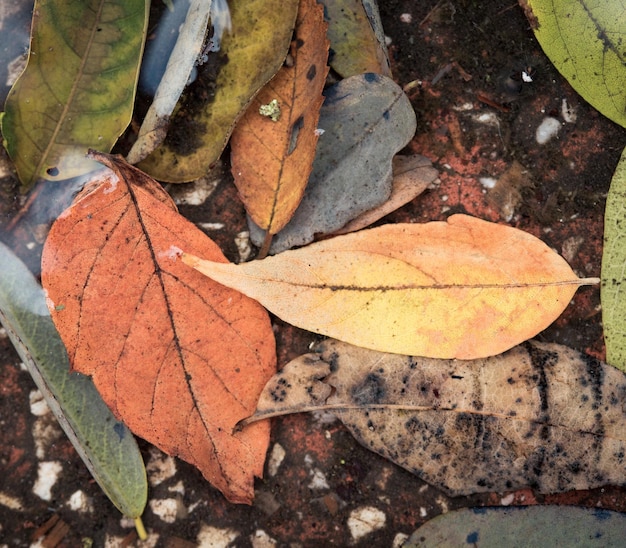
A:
547	130
276	458
260	539
47	475
364	521
215	537
166	509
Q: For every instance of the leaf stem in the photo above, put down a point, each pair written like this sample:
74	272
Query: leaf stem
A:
265	248
141	530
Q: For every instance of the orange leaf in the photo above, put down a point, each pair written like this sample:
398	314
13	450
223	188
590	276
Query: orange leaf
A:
464	288
177	357
273	145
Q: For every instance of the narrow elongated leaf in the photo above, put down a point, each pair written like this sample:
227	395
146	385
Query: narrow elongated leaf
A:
366	119
272	152
584	41
249	56
522	526
78	88
106	446
178	357
464	288
355	48
612	294
529	417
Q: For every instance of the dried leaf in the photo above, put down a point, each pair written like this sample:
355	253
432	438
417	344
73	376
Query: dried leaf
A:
366	120
178	359
273	150
540	415
464	288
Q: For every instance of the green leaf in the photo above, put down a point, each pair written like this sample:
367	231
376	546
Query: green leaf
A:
250	55
613	275
106	446
522	526
78	89
353	43
585	42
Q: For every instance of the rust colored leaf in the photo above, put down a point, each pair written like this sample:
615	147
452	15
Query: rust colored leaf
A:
464	288
540	415
273	145
177	357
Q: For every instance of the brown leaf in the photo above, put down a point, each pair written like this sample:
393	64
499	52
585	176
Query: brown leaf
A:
178	358
273	145
461	288
540	415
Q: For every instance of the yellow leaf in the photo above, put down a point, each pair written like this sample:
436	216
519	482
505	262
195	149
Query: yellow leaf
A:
464	288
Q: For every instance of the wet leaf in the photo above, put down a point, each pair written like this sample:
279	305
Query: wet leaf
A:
355	48
522	526
78	88
178	359
612	294
366	119
249	56
106	446
179	66
584	41
272	151
464	288
529	417
412	175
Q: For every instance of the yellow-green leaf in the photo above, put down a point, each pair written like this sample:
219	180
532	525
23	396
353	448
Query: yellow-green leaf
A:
612	294
250	55
464	288
78	88
585	41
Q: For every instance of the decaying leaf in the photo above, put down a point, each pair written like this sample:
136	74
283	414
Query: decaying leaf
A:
273	145
540	415
366	120
464	288
178	358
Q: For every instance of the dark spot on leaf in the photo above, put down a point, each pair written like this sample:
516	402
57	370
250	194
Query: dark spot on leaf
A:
299	43
372	390
311	72
119	429
52	171
370	77
472	538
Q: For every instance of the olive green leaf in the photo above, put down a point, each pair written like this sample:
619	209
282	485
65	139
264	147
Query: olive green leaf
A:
250	55
612	294
586	41
106	446
78	88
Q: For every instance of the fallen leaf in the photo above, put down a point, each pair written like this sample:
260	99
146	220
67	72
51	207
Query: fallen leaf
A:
412	175
584	41
249	57
366	120
78	88
541	525
540	415
178	358
354	45
272	152
464	288
106	446
612	295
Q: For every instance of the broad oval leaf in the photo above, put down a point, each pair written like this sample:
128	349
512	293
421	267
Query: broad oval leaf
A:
464	288
542	525
106	446
366	119
529	417
78	88
272	152
584	42
249	56
612	294
178	357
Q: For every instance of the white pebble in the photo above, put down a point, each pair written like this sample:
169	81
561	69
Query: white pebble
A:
260	539
38	405
79	502
214	537
506	501
47	475
166	509
406	18
160	467
276	459
318	480
488	182
548	129
364	521
568	112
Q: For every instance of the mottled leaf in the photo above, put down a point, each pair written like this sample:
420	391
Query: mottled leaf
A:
178	359
540	415
249	56
106	446
366	119
78	88
464	288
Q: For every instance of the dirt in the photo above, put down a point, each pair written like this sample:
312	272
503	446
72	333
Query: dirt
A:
461	63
